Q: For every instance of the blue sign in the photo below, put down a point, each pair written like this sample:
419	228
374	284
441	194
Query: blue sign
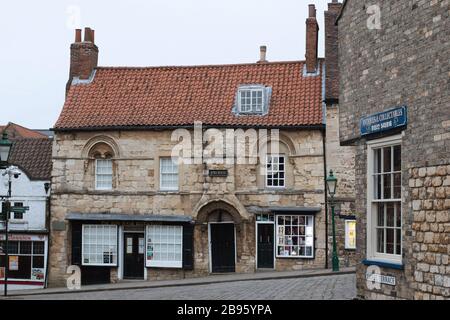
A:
384	121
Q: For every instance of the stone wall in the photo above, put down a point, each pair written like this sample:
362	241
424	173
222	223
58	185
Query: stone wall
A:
340	159
430	196
136	192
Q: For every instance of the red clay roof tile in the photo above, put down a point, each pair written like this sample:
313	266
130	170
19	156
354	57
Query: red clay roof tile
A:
179	96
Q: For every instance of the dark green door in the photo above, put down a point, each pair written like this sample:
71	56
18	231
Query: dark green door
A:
265	245
133	260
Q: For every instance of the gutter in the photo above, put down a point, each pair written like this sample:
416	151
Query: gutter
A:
172	127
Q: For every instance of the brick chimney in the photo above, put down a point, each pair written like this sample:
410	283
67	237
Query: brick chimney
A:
312	39
331	53
83	56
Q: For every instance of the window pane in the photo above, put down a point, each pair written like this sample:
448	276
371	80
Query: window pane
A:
397	158
99	244
398	249
390	241
387	186
377	162
38	262
25	247
397	185
390	217
380	240
380	213
398	214
387	159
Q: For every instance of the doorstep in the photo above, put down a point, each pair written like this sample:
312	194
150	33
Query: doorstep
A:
211	279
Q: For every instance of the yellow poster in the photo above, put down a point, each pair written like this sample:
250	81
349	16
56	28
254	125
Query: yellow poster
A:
13	263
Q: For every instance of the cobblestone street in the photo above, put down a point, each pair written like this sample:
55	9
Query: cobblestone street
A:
335	287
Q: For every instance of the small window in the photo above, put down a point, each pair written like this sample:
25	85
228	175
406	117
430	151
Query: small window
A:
275	171
251	100
168	174
103	174
295	236
164	246
99	245
18	215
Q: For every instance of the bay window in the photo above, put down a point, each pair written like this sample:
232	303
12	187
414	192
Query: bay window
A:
99	245
164	246
295	236
384	200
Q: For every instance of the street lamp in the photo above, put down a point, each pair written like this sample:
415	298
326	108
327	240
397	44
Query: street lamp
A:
331	187
5	148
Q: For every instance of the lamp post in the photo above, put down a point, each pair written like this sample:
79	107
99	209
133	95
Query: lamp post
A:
331	187
5	148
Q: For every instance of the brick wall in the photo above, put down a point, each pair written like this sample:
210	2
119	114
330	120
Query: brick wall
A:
403	63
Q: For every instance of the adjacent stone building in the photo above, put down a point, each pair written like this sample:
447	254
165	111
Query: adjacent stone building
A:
395	108
126	203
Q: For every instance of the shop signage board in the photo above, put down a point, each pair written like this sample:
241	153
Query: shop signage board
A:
384	121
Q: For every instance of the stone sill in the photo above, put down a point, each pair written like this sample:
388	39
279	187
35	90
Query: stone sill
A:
383	264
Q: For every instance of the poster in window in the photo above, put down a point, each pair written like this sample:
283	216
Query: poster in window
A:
37	274
2	273
14	263
350	234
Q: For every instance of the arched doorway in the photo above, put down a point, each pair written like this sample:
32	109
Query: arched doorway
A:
222	241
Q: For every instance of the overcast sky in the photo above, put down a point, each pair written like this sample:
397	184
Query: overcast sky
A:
36	36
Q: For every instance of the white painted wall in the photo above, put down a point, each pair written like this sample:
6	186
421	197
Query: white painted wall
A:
32	194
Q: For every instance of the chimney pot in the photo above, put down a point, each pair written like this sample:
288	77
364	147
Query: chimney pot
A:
312	11
77	35
93	36
87	35
262	54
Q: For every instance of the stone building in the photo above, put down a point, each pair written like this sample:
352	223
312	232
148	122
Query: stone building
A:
125	206
395	108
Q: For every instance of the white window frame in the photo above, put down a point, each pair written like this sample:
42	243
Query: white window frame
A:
372	253
278	244
164	263
253	109
115	245
161	173
347	239
103	174
271	156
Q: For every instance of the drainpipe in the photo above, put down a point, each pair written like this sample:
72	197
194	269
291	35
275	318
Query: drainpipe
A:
47	225
325	194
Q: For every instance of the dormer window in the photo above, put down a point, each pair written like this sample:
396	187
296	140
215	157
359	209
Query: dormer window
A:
252	99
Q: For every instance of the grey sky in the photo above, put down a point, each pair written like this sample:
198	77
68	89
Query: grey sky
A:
36	35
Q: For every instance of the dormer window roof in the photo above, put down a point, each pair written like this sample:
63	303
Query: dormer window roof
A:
252	99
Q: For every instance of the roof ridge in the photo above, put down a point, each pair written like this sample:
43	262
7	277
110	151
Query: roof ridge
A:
207	65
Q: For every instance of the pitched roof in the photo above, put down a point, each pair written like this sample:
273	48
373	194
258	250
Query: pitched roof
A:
125	97
16	131
33	156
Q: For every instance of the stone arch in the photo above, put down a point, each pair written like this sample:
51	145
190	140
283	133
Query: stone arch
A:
101	146
207	207
283	139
